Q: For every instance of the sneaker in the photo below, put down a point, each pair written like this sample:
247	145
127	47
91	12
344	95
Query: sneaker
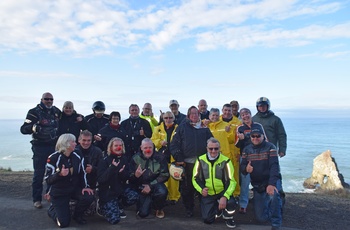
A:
160	214
242	210
275	228
37	204
230	223
122	214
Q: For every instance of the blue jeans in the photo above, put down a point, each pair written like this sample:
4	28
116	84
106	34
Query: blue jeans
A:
40	155
269	208
244	195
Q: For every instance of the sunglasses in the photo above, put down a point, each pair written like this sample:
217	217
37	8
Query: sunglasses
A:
211	149
255	136
48	99
167	118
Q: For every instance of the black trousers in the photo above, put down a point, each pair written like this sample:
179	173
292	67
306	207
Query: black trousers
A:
210	208
59	210
40	155
186	188
155	199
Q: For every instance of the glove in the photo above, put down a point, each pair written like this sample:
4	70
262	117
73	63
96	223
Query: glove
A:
36	128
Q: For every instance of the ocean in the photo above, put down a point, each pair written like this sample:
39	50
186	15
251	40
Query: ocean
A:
307	138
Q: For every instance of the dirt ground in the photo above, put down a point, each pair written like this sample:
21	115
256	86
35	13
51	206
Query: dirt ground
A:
302	211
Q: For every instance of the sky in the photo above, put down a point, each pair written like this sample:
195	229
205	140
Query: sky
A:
296	53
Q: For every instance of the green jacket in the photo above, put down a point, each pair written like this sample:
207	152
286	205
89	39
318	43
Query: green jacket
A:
217	176
156	169
274	129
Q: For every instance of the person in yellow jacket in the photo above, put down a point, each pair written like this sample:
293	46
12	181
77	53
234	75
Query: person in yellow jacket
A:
161	137
213	179
148	115
234	122
222	131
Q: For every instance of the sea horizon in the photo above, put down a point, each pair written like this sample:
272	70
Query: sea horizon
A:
306	139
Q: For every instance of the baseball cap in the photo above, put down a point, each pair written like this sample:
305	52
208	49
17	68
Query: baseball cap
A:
256	130
173	102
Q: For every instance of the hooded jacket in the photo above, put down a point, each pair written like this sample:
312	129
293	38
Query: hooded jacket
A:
274	129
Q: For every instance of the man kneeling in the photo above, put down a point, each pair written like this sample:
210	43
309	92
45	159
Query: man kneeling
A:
213	179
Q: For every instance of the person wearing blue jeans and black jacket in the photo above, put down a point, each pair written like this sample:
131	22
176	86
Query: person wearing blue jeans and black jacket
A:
260	159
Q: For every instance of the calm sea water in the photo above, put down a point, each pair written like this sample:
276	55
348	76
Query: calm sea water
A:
307	138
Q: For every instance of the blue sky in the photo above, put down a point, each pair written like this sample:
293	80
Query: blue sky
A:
296	53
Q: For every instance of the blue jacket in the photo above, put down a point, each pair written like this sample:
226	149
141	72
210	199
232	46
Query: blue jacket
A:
189	142
264	159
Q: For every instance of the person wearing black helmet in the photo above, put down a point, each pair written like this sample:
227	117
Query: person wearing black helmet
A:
97	119
273	126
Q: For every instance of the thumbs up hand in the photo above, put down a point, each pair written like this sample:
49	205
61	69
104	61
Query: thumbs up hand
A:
64	171
249	167
142	133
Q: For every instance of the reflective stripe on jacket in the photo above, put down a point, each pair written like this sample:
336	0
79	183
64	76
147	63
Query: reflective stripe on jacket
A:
217	176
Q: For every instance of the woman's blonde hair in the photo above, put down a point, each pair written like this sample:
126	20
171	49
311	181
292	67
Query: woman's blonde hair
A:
111	143
63	142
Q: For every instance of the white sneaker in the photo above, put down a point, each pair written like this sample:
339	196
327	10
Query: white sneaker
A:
37	204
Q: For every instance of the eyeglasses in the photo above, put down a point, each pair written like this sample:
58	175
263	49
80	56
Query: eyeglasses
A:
211	149
167	117
255	136
48	99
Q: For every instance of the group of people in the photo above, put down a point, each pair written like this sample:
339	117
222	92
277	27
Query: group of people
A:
114	163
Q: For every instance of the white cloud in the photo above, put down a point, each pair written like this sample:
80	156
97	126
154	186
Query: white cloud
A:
100	27
35	75
336	54
243	37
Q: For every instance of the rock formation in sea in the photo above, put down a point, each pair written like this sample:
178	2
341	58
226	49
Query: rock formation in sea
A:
325	174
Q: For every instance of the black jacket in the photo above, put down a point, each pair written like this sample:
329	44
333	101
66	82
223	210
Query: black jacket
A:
69	124
92	156
45	122
107	133
132	127
112	183
65	185
95	124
